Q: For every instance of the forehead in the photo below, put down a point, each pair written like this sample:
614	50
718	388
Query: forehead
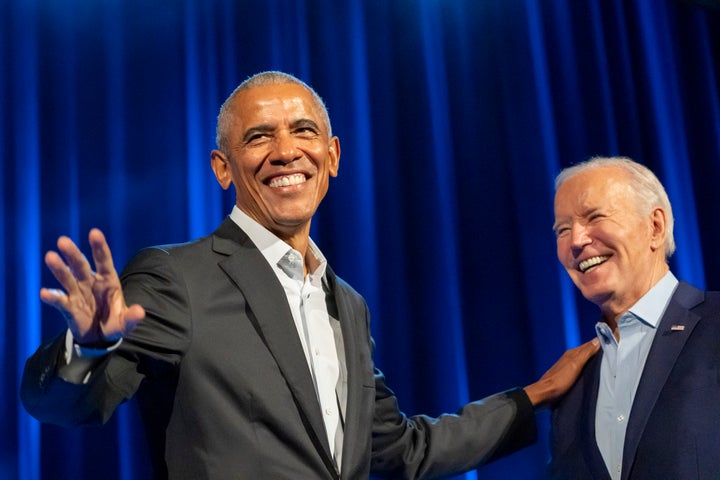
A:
275	102
599	187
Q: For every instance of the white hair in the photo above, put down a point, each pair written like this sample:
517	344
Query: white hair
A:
649	192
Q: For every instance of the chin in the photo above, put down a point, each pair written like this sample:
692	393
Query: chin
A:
593	292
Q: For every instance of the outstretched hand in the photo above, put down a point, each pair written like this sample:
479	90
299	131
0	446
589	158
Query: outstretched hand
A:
561	376
92	302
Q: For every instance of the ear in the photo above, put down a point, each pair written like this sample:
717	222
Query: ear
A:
334	151
221	166
658	224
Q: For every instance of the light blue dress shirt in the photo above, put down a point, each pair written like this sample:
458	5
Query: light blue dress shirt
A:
621	368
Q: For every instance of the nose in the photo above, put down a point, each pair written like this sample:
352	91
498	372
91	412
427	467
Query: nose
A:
284	149
579	237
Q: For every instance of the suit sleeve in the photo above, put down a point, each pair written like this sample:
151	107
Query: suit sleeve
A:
404	447
425	447
151	350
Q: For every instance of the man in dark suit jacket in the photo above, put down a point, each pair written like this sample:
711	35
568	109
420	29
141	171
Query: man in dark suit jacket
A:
228	359
648	406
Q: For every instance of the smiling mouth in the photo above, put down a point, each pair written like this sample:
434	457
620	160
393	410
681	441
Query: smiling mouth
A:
287	180
586	265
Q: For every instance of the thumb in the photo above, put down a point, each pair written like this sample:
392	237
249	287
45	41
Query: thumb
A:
133	315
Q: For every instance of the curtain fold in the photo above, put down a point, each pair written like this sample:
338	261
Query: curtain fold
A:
454	117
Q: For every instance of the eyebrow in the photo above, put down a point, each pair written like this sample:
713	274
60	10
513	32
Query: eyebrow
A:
263	128
584	214
304	122
267	128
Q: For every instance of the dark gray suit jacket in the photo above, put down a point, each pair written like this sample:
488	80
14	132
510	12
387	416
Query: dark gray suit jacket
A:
674	427
225	391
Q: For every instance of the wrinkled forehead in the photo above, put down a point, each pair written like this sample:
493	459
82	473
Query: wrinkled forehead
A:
603	187
270	101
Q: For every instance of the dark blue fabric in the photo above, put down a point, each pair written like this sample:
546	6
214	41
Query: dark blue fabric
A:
454	116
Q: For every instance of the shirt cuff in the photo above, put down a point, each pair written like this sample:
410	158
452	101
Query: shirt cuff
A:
73	350
79	360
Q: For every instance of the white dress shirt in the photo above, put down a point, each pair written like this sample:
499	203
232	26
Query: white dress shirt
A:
318	331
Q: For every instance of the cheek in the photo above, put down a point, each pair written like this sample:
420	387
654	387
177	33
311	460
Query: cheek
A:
563	251
243	177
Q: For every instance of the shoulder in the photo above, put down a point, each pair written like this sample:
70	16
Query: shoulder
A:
694	298
169	258
701	310
224	241
176	249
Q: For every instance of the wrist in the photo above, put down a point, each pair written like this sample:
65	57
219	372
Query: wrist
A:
101	344
539	394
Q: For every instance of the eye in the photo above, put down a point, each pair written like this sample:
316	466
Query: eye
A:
257	138
305	132
561	231
305	128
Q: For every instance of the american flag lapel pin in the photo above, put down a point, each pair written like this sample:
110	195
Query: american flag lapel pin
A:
677	328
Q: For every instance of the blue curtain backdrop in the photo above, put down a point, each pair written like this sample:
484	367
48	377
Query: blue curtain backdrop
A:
454	116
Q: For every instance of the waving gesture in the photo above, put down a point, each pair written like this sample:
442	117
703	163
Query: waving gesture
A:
92	301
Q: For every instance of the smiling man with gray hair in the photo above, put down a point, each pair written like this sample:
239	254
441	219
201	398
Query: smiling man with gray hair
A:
648	406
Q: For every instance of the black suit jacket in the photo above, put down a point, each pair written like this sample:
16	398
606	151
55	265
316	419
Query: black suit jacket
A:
225	390
673	431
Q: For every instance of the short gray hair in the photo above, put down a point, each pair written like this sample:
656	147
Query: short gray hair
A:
270	77
649	192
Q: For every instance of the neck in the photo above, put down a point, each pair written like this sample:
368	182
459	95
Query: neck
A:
616	305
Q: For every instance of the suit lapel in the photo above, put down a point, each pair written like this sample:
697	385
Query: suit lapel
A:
592	454
273	320
354	429
675	328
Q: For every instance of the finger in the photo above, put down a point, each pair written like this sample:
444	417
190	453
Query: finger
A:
61	272
134	314
57	299
591	347
101	253
53	297
130	318
75	259
579	355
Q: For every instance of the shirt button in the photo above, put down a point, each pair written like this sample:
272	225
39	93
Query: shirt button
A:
328	411
620	418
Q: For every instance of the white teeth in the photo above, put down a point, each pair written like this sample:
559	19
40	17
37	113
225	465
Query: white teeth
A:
585	265
287	180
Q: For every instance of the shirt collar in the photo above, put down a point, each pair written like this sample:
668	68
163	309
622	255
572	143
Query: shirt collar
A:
651	307
648	310
271	247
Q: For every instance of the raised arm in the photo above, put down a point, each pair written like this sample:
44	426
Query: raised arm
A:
92	302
